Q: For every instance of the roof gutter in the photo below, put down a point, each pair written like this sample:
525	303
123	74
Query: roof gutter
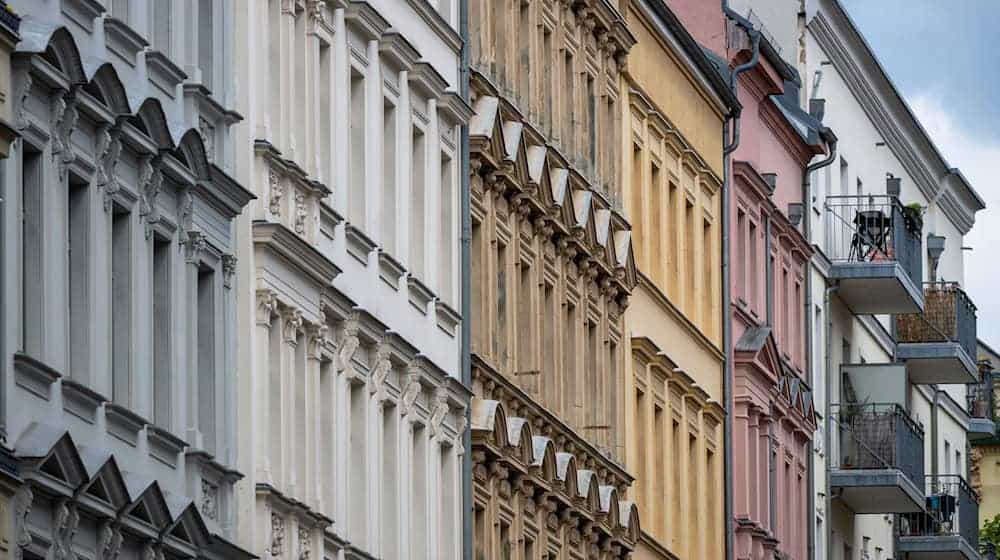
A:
729	146
465	356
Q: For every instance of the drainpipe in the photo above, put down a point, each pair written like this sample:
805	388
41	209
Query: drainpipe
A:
807	233
935	405
727	369
465	357
828	423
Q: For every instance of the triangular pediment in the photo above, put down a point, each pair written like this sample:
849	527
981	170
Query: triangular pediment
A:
757	347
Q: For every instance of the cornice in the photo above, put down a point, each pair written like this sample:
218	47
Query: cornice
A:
677	314
284	242
394	47
437	24
365	19
888	112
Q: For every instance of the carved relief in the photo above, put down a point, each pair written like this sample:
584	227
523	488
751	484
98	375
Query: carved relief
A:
109	541
22	506
22	106
305	543
348	346
276	191
65	520
277	534
383	365
267	306
185	210
209	500
300	213
207	133
228	269
109	148
460	425
292	325
193	247
315	341
65	116
411	390
150	184
439	410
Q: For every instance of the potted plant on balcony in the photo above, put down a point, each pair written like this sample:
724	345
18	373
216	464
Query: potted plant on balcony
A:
913	218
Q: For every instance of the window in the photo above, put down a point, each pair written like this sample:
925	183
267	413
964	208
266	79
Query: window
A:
591	126
162	333
549	83
676	487
655	232
690	256
524	55
446	526
673	234
500	338
417	201
568	103
593	388
120	10
479	530
390	482
206	50
645	501
328	457
658	497
32	234
206	356
549	381
418	495
505	548
162	25
388	217
526	328
78	245
637	209
752	267
569	376
121	306
707	280
479	283
693	497
325	156
446	241
358	480
741	254
356	192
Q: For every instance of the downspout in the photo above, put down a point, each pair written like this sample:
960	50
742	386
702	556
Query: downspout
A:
727	369
828	422
807	314
465	356
935	405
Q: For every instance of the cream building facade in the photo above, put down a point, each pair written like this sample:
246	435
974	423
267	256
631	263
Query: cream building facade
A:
673	116
350	407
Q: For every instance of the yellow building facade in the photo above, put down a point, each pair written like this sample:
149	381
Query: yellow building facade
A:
673	110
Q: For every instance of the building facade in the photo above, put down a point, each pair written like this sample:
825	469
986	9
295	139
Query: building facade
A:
351	408
552	269
673	114
119	367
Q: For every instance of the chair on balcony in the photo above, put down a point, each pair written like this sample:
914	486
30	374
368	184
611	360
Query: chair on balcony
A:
871	234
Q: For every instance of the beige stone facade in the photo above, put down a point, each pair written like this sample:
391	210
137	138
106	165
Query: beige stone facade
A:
552	271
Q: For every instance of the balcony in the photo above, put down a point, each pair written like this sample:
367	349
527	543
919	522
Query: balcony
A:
980	404
948	529
873	244
939	343
881	459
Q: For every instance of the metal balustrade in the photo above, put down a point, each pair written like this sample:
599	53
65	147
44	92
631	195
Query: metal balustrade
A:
979	396
879	436
949	316
952	509
873	228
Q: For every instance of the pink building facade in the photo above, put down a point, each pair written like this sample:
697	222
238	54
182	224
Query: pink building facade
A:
773	419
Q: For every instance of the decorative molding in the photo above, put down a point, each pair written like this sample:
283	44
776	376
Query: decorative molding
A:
228	269
277	535
359	245
267	306
209	500
419	294
390	270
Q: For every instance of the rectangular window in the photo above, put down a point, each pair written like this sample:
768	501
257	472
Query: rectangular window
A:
637	210
500	338
707	282
505	548
676	487
328	398
690	256
673	234
549	82
446	526
162	25
121	306
356	148
32	235
655	231
569	376
753	268
713	521
549	375
78	244
645	500
206	50
479	529
479	284
526	328
390	483
206	356
741	254
593	380
693	496
658	497
569	102
418	495
529	549
417	202
325	115
389	178
358	498
524	56
162	333
446	242
591	125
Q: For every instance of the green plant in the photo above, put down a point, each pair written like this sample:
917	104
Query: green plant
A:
990	531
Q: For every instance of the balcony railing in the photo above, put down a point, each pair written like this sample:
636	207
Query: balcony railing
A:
949	316
873	228
979	395
952	509
880	436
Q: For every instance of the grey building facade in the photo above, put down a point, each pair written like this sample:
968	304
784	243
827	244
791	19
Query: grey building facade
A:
119	288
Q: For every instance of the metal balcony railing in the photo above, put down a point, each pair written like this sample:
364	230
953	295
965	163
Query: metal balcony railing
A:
952	508
979	395
873	228
949	316
879	436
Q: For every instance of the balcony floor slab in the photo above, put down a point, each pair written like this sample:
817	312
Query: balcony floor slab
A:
867	491
875	288
981	428
937	547
937	362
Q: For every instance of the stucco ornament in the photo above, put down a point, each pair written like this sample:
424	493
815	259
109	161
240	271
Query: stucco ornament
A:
193	247
152	552
276	192
305	543
109	149
439	411
228	269
109	541
207	133
277	534
267	306
22	106
185	209
349	345
151	182
209	500
383	365
411	390
22	506
300	213
292	325
460	423
65	520
64	118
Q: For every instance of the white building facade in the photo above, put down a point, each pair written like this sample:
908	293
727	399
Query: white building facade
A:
351	411
893	333
119	368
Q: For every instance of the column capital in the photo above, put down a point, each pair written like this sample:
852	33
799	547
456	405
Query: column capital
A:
267	306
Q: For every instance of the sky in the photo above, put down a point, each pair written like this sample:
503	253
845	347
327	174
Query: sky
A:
944	57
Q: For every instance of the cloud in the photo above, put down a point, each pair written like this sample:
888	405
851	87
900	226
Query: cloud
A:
977	157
